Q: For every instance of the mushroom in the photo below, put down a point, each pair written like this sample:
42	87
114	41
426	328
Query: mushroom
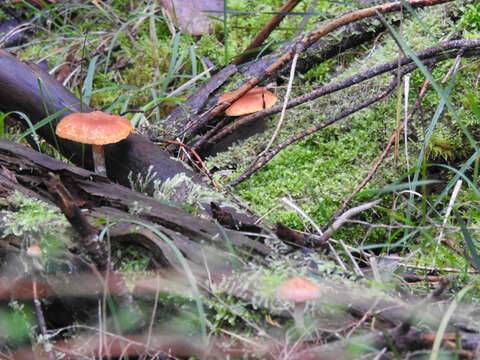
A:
96	128
255	99
298	290
34	251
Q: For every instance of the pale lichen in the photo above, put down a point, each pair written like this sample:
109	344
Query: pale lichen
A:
31	217
35	222
182	189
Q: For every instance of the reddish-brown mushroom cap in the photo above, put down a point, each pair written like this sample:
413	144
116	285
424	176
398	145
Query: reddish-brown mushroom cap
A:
256	99
298	290
97	128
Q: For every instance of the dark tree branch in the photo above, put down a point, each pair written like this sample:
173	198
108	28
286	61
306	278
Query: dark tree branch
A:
341	115
266	31
198	122
108	200
331	88
20	86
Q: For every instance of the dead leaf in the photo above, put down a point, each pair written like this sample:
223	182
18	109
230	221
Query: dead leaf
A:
190	15
63	72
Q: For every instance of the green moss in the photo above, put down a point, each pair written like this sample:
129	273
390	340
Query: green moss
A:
443	147
17	324
3	15
316	172
321	170
320	73
471	17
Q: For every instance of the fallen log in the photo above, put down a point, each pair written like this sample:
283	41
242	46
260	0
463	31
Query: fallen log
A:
170	235
30	90
26	88
27	170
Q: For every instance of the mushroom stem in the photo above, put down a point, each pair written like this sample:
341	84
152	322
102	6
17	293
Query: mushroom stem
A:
298	315
99	160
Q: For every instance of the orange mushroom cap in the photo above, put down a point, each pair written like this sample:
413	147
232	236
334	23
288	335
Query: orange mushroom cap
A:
34	251
97	128
256	99
298	290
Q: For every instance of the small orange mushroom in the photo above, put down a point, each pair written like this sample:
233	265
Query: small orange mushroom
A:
34	251
298	290
96	128
256	99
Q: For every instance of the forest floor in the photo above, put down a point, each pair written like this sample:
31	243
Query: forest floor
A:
400	276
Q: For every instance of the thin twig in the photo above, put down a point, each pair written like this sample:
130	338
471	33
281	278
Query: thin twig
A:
405	128
41	321
432	52
383	155
301	212
266	31
318	230
356	268
284	108
431	269
154	311
301	45
310	131
194	152
344	218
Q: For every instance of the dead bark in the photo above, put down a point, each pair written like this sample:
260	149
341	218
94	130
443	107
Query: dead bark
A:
105	200
26	88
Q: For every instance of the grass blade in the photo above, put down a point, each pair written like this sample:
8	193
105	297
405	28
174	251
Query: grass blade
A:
41	123
417	18
172	65
89	80
468	240
443	94
443	324
225	31
191	278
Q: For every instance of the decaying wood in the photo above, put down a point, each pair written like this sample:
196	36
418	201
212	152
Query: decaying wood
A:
102	199
27	88
131	217
87	235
